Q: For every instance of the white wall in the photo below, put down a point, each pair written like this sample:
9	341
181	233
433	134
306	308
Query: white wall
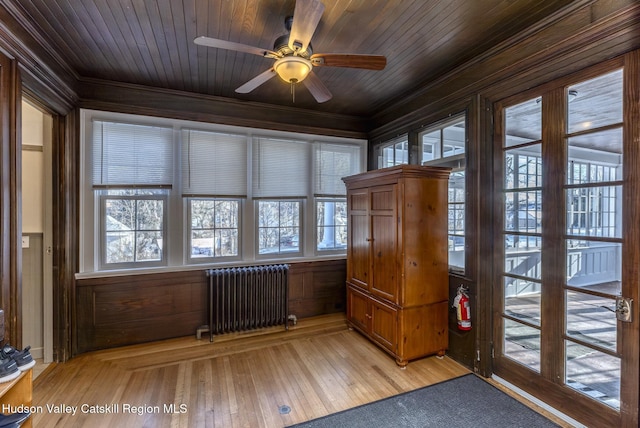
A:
32	169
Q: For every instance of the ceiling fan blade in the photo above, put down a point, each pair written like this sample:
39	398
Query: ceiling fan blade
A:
317	88
306	17
232	46
256	81
368	62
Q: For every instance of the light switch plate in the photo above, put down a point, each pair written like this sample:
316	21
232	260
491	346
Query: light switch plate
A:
25	241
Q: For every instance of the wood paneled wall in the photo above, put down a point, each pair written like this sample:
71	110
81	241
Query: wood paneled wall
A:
123	310
138	99
10	201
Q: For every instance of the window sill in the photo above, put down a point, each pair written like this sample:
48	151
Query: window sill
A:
202	266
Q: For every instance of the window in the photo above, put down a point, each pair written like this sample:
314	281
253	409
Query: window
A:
443	142
332	162
213	164
214	228
394	152
214	181
280	171
444	145
128	155
331	221
164	192
278	227
132	174
280	168
133	226
456	218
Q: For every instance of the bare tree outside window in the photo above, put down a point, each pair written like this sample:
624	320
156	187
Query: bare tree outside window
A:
214	227
133	225
278	227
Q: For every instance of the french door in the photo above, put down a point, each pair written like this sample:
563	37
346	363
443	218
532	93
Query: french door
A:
568	205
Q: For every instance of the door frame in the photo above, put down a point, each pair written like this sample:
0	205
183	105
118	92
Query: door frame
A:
549	386
47	242
10	202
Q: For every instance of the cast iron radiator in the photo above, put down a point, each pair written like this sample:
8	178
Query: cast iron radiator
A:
246	298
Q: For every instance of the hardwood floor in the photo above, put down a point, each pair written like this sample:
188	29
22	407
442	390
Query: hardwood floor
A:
241	380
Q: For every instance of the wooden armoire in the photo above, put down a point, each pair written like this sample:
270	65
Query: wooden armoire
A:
397	259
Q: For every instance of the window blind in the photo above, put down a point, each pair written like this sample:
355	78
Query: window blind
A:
331	163
213	164
280	168
128	155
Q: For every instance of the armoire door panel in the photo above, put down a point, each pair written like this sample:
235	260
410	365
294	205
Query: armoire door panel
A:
359	200
384	325
358	309
384	265
383	198
358	271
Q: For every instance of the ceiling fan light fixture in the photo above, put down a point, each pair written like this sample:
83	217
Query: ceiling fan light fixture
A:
292	69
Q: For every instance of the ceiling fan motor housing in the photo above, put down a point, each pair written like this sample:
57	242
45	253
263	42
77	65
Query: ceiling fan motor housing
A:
281	45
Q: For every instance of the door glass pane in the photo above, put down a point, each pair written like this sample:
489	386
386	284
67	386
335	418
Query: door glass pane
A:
592	319
527	242
594	266
595	157
522	300
593	373
523	122
522	256
523	167
594	211
595	103
522	343
523	211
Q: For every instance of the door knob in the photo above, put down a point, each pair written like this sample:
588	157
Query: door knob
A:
623	309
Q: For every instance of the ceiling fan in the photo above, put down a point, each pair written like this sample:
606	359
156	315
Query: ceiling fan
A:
293	54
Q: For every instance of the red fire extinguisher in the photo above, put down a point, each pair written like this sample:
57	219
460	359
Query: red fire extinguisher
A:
461	303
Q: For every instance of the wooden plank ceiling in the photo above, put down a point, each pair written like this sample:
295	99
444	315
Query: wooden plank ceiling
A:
150	42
